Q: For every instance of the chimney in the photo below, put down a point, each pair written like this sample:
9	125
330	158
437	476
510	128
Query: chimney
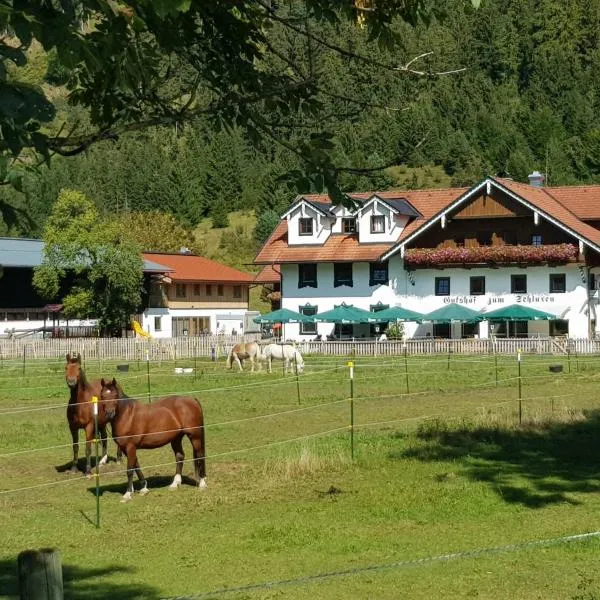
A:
536	179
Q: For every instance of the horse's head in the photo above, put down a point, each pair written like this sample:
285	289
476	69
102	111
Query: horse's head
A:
299	361
109	397
73	370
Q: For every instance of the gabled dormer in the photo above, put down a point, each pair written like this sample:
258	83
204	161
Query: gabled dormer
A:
309	222
383	219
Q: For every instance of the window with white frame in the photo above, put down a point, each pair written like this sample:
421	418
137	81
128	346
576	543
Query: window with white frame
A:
308	328
348	225
305	226
377	224
157	323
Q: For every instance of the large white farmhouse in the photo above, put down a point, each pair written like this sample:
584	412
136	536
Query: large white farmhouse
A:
492	245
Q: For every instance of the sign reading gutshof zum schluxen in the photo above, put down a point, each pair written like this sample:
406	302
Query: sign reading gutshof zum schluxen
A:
518	298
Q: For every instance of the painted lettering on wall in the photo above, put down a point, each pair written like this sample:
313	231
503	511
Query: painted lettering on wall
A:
528	298
473	299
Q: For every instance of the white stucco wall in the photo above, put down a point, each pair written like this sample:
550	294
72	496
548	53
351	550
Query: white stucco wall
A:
7	327
394	224
321	226
221	320
421	297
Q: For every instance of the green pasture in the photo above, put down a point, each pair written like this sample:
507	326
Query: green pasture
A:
445	468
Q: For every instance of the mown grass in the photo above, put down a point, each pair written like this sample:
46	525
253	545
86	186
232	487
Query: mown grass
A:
444	469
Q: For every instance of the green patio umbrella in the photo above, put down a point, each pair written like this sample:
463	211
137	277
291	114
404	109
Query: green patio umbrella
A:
453	313
518	312
346	313
283	315
397	313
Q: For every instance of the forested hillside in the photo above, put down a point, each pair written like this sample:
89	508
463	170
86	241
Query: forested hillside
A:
529	98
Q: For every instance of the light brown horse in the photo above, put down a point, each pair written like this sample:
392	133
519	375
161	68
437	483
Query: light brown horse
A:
80	413
145	426
243	351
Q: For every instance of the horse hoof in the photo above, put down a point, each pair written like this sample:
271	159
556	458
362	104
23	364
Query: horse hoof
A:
126	497
104	460
144	490
202	484
88	475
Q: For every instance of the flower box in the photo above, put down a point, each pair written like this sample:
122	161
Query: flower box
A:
527	255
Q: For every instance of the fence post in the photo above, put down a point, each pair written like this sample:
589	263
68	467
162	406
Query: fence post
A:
24	353
351	366
97	473
40	575
148	373
569	358
297	379
520	394
406	368
496	366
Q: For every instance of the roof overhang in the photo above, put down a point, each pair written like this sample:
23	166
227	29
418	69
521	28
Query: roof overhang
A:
302	200
487	183
407	208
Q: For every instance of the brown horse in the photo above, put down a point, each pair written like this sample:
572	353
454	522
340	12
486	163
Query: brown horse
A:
80	413
146	426
245	350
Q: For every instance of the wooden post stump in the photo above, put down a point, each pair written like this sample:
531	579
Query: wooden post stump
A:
40	575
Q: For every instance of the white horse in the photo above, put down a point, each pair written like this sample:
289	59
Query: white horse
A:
283	352
245	350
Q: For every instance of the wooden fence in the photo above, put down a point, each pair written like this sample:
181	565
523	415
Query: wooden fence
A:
122	348
205	346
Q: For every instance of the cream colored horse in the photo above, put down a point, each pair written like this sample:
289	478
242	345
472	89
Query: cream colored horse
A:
243	351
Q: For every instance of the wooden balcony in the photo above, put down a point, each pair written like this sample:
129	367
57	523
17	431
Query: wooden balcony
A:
556	254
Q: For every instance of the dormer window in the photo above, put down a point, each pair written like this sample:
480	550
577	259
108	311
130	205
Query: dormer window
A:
349	225
377	224
305	226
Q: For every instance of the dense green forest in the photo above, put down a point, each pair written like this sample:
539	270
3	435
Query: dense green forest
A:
528	98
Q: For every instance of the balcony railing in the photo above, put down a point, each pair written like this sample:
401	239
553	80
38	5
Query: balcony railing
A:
528	255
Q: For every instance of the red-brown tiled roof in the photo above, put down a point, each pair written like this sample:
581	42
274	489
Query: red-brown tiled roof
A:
340	247
565	205
543	198
582	200
188	267
270	274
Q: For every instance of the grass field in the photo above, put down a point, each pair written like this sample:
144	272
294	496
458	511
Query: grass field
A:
444	469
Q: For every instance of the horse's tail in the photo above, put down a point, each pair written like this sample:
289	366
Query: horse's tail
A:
200	450
230	359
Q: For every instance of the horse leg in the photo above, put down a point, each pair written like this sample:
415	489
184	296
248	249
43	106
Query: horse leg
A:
131	466
104	439
75	437
269	360
197	440
119	451
144	489
179	458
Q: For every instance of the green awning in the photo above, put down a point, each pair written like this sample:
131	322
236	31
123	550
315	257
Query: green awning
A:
283	315
348	314
397	313
518	312
453	313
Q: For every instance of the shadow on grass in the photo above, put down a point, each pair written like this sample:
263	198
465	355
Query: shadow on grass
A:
81	583
66	467
154	482
534	465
